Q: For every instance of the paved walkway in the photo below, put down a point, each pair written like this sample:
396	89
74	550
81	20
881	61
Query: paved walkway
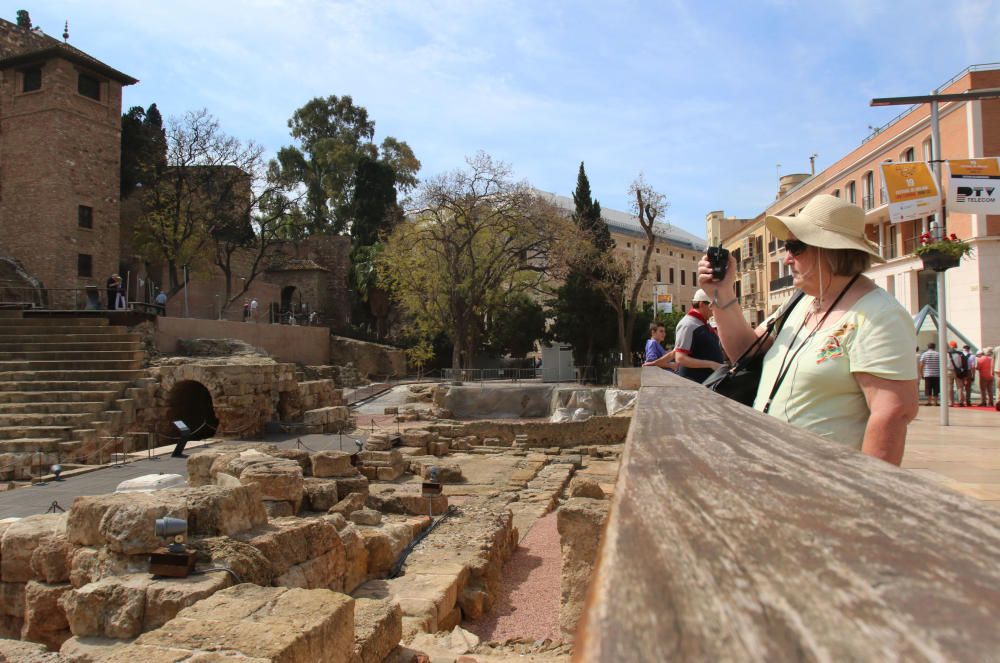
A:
964	456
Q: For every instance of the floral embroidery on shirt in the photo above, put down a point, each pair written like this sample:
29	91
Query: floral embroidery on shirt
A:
832	348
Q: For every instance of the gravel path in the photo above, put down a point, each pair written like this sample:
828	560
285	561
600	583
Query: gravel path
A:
529	599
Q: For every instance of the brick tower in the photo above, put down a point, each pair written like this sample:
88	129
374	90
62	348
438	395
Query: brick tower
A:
60	150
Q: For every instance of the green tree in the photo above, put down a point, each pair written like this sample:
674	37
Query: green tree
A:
476	239
144	148
517	323
333	136
374	210
23	19
582	316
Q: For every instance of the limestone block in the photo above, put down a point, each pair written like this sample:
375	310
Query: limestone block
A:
221	510
380	458
576	460
446	472
492	442
300	456
353	502
44	619
88	564
168	596
246	561
278	509
324	572
226	480
149	482
91	649
302	625
378	627
26	652
439	448
452	621
12	599
286	542
365	517
585	487
405	500
356	554
348	485
580	521
332	464
377	444
247	459
336	519
391	410
111	607
384	545
320	494
464	443
389	473
281	480
419	595
472	602
123	521
43	534
10	627
416	438
200	464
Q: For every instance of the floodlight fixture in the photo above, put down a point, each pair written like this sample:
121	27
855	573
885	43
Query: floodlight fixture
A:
56	470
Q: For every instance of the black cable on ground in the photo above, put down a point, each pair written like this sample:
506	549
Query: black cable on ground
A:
398	566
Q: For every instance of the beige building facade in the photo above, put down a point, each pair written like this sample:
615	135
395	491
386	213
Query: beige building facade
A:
969	129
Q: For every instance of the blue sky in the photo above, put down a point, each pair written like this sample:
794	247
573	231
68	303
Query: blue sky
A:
704	98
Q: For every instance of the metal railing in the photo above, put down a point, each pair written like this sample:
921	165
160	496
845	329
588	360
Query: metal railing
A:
779	284
487	374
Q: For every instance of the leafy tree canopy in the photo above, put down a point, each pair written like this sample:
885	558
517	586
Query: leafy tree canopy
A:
334	136
514	328
23	19
144	148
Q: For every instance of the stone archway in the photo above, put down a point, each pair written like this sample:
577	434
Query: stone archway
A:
191	402
287	298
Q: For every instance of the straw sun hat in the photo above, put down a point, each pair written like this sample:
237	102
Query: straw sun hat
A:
827	222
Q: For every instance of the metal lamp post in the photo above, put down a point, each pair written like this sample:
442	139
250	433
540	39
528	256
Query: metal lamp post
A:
934	99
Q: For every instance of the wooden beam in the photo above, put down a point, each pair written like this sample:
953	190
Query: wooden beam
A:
735	537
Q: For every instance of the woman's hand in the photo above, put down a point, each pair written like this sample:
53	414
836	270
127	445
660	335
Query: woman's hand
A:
723	290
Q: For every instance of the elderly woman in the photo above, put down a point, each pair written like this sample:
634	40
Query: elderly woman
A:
840	366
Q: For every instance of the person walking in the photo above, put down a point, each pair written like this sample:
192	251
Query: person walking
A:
930	369
161	303
970	373
984	367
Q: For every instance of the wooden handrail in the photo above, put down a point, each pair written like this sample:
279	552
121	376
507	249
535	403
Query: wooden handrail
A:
735	537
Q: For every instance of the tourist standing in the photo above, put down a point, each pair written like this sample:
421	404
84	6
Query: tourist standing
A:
161	303
112	288
957	372
697	349
970	373
253	309
654	345
984	367
930	369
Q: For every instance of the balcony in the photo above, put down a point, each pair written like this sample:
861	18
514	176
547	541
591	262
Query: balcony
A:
780	284
868	201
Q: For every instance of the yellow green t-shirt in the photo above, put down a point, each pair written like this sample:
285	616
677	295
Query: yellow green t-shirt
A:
819	392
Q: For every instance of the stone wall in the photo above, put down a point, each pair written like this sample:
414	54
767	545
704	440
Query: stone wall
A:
302	345
581	522
538	434
372	359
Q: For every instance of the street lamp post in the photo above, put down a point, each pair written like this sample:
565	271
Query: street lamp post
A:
934	99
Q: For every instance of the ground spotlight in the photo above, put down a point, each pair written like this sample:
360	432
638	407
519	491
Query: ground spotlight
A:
56	470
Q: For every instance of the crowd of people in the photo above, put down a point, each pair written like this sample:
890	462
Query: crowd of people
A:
965	370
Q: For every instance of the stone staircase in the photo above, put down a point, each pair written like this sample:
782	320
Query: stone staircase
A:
64	390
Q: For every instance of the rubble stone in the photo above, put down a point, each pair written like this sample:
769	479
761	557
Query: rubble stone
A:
416	438
580	521
281	480
384	545
286	542
320	494
356	552
348	485
365	517
405	500
39	537
585	487
332	464
44	619
123	521
353	502
378	627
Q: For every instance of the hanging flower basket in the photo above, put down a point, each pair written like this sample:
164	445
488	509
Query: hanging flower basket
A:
939	261
942	254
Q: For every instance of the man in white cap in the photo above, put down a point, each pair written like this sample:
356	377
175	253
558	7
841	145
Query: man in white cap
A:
697	349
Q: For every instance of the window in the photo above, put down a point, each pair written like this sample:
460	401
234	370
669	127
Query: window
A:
657	250
659	276
85	216
909	155
682	277
88	86
671	253
694	278
683	308
671	275
31	79
925	147
852	194
628	245
836	192
84	265
868	190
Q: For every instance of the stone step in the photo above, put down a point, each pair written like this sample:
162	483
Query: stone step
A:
68	387
70	375
77	420
31	345
52	407
80	354
15	432
7	329
38	321
68	364
29	444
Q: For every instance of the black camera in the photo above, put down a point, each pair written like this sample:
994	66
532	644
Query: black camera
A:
719	258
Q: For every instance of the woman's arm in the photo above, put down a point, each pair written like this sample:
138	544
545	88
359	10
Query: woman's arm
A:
893	405
735	332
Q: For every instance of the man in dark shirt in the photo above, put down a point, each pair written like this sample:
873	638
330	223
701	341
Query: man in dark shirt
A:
698	349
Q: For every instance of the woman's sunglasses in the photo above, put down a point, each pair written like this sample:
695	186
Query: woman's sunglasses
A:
795	247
